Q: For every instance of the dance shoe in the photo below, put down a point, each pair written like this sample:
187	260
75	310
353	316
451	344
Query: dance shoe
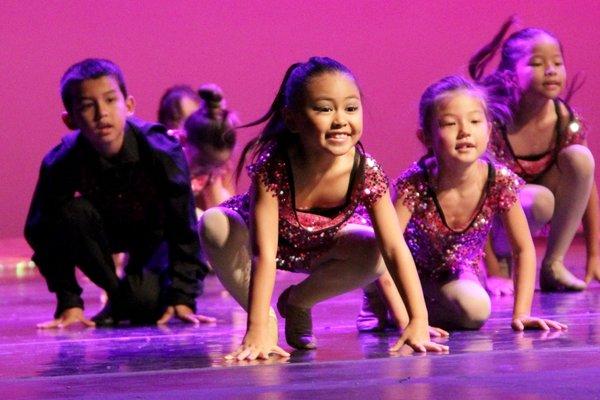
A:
298	323
374	316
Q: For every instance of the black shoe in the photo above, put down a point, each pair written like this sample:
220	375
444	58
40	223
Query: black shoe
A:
298	323
106	317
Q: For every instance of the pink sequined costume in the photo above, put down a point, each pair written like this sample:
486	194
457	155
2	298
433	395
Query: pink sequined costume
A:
441	253
305	235
532	167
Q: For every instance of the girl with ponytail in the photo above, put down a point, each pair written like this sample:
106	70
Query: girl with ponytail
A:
538	136
317	204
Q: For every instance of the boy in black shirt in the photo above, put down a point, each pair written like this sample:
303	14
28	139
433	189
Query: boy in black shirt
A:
116	184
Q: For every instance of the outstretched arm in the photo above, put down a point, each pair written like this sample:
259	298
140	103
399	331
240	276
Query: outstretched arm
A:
524	255
264	235
397	308
496	282
401	266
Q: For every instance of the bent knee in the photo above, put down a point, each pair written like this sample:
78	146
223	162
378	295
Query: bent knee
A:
474	318
538	203
576	159
473	305
359	243
214	227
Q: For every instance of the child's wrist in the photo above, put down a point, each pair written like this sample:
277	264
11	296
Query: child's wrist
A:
258	326
521	315
418	320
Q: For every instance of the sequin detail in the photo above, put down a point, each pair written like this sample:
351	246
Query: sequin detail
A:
531	170
439	252
304	237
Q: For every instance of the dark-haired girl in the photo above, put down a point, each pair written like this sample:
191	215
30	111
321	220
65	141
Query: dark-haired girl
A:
313	196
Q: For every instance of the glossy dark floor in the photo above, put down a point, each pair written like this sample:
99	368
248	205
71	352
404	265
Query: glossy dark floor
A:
185	362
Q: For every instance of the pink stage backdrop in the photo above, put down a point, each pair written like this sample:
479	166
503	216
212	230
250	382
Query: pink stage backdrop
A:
396	48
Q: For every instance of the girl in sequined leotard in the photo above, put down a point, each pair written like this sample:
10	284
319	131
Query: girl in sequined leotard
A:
446	203
539	138
313	190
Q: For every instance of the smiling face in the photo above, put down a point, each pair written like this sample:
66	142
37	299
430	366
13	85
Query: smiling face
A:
329	119
100	111
541	72
460	130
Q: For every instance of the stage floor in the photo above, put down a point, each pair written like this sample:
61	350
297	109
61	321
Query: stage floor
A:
185	362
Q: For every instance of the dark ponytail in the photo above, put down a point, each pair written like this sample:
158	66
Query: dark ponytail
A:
274	131
480	60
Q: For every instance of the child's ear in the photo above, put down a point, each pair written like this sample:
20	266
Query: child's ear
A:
68	121
130	104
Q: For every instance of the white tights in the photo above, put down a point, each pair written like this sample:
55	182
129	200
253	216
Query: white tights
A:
560	198
459	304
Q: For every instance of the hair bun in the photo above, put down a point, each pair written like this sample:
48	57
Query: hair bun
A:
212	95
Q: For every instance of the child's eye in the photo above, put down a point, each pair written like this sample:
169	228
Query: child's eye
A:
111	99
476	121
322	109
443	124
558	63
352	108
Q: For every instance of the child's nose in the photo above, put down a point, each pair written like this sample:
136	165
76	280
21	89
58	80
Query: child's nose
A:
550	70
101	111
339	121
464	130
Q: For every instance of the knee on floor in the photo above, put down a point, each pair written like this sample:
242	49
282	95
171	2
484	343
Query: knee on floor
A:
473	305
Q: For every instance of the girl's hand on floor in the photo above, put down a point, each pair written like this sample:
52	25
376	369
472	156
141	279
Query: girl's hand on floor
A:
435	332
498	286
416	335
528	322
256	346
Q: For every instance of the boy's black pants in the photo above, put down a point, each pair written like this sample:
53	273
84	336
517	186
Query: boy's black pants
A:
80	237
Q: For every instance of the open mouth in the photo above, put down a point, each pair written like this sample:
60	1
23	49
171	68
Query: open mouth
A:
103	128
337	135
464	146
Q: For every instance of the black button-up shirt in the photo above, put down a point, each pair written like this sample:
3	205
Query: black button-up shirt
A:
142	194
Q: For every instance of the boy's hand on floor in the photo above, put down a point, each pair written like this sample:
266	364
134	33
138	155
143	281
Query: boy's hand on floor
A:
68	317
